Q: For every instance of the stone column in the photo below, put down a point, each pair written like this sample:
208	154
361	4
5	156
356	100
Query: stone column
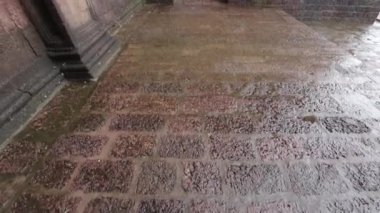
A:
112	12
75	40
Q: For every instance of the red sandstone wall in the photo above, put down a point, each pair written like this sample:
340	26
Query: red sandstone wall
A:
19	43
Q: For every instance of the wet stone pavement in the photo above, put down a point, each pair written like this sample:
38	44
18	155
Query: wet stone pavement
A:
217	109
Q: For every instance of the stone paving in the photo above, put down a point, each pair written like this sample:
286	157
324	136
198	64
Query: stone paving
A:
214	109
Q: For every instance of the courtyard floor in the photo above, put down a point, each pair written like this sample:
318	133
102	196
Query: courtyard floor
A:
211	109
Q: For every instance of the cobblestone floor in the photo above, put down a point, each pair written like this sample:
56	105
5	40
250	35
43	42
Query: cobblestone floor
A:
216	109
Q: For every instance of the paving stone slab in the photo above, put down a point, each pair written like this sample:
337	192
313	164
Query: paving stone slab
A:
202	177
117	86
79	146
258	89
141	104
209	206
44	203
54	174
90	123
161	206
104	176
208	104
163	87
287	125
338	148
287	88
280	148
19	156
232	123
156	177
319	179
135	145
134	122
273	105
233	148
364	176
374	125
185	123
276	206
207	88
320	104
344	125
108	204
354	204
181	146
257	179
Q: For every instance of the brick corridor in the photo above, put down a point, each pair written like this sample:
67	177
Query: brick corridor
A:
215	109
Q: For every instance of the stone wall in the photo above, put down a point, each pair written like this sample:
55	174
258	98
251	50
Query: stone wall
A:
25	67
19	42
359	10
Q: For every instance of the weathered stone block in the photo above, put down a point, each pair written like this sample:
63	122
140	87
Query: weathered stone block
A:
116	86
280	148
104	176
162	206
233	148
364	176
337	148
316	179
185	123
163	87
288	125
344	125
90	123
206	104
354	204
258	179
108	204
44	203
207	88
130	122
276	206
19	156
156	177
54	174
209	206
181	146
140	104
79	146
202	177
244	124
133	146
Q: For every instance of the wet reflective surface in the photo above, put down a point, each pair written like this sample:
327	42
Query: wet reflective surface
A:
361	41
219	109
